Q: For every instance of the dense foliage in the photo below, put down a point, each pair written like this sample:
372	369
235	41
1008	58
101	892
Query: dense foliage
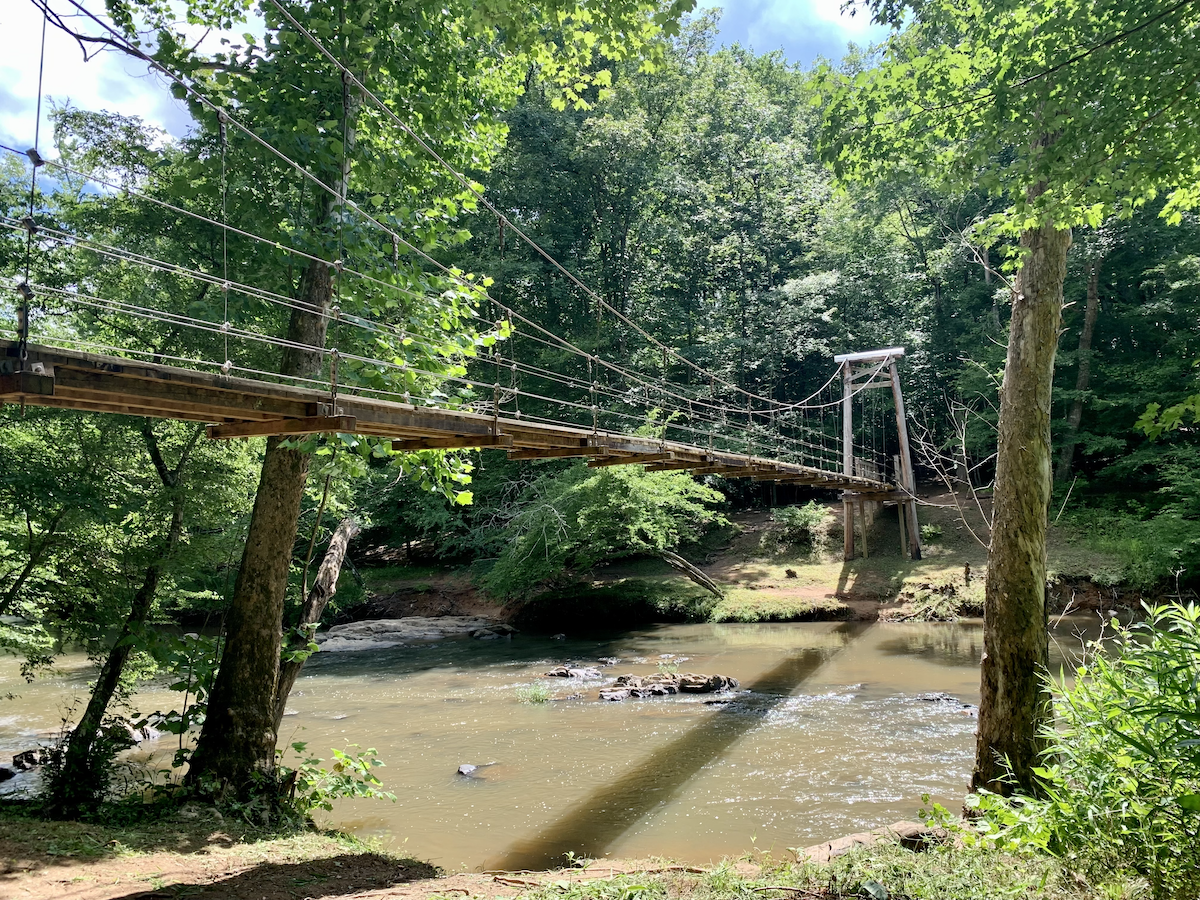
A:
1122	770
691	194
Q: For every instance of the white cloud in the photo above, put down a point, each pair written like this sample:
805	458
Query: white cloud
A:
855	26
803	29
110	80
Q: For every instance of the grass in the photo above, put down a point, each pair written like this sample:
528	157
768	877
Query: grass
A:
747	605
533	693
946	873
67	840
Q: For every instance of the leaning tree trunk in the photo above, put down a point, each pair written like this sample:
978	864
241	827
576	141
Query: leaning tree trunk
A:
1014	704
76	782
1083	375
239	732
323	589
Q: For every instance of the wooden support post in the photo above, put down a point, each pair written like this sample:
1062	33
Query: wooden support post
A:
847	419
908	480
863	525
847	529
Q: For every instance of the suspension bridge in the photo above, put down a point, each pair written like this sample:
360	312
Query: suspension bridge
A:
97	324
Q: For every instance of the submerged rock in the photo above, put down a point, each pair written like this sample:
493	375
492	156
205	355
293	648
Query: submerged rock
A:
966	709
380	634
471	770
574	672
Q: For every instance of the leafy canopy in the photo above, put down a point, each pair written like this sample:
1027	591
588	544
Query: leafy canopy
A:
1092	100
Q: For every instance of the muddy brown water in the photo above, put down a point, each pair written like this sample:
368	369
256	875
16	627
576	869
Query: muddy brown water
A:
832	732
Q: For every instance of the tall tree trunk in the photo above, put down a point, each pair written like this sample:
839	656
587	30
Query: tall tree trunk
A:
76	782
239	732
1014	704
1083	376
323	589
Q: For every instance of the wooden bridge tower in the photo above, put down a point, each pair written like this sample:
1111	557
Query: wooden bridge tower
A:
870	370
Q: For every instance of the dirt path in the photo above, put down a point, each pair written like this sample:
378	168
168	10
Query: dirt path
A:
216	867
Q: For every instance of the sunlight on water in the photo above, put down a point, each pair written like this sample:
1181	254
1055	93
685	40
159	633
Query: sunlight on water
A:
834	731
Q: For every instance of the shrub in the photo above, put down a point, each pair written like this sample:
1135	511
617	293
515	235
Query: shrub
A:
931	534
570	522
1122	775
802	526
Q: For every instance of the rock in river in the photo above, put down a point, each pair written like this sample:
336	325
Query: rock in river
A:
573	672
31	759
665	684
379	634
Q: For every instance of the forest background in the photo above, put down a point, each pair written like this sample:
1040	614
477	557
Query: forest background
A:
693	199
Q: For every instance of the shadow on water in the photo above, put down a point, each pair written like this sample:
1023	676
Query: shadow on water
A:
600	819
464	653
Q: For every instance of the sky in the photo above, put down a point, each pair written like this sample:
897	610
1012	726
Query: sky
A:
803	29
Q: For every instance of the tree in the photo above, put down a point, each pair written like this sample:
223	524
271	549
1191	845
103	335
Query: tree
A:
470	63
1070	112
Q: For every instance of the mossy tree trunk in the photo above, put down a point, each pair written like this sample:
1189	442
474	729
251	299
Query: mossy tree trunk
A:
1014	703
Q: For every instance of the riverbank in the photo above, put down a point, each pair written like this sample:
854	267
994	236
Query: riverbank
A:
764	579
204	858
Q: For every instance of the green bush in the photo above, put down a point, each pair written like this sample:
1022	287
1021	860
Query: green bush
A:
931	534
802	526
1122	775
570	522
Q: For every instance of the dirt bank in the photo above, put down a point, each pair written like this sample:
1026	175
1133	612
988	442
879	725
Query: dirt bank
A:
764	580
55	860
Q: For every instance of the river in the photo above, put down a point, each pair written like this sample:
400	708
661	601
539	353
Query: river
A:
833	731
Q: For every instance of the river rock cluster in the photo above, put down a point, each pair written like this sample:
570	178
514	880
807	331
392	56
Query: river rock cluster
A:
665	684
574	672
381	634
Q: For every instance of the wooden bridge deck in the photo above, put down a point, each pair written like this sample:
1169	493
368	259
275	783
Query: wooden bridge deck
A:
241	407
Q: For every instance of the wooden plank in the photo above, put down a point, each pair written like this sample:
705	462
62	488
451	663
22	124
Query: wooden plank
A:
185	397
553	452
19	384
626	460
454	443
115	408
307	425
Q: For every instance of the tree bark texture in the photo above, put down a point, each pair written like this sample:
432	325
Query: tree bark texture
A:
1083	376
1014	704
323	589
239	732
